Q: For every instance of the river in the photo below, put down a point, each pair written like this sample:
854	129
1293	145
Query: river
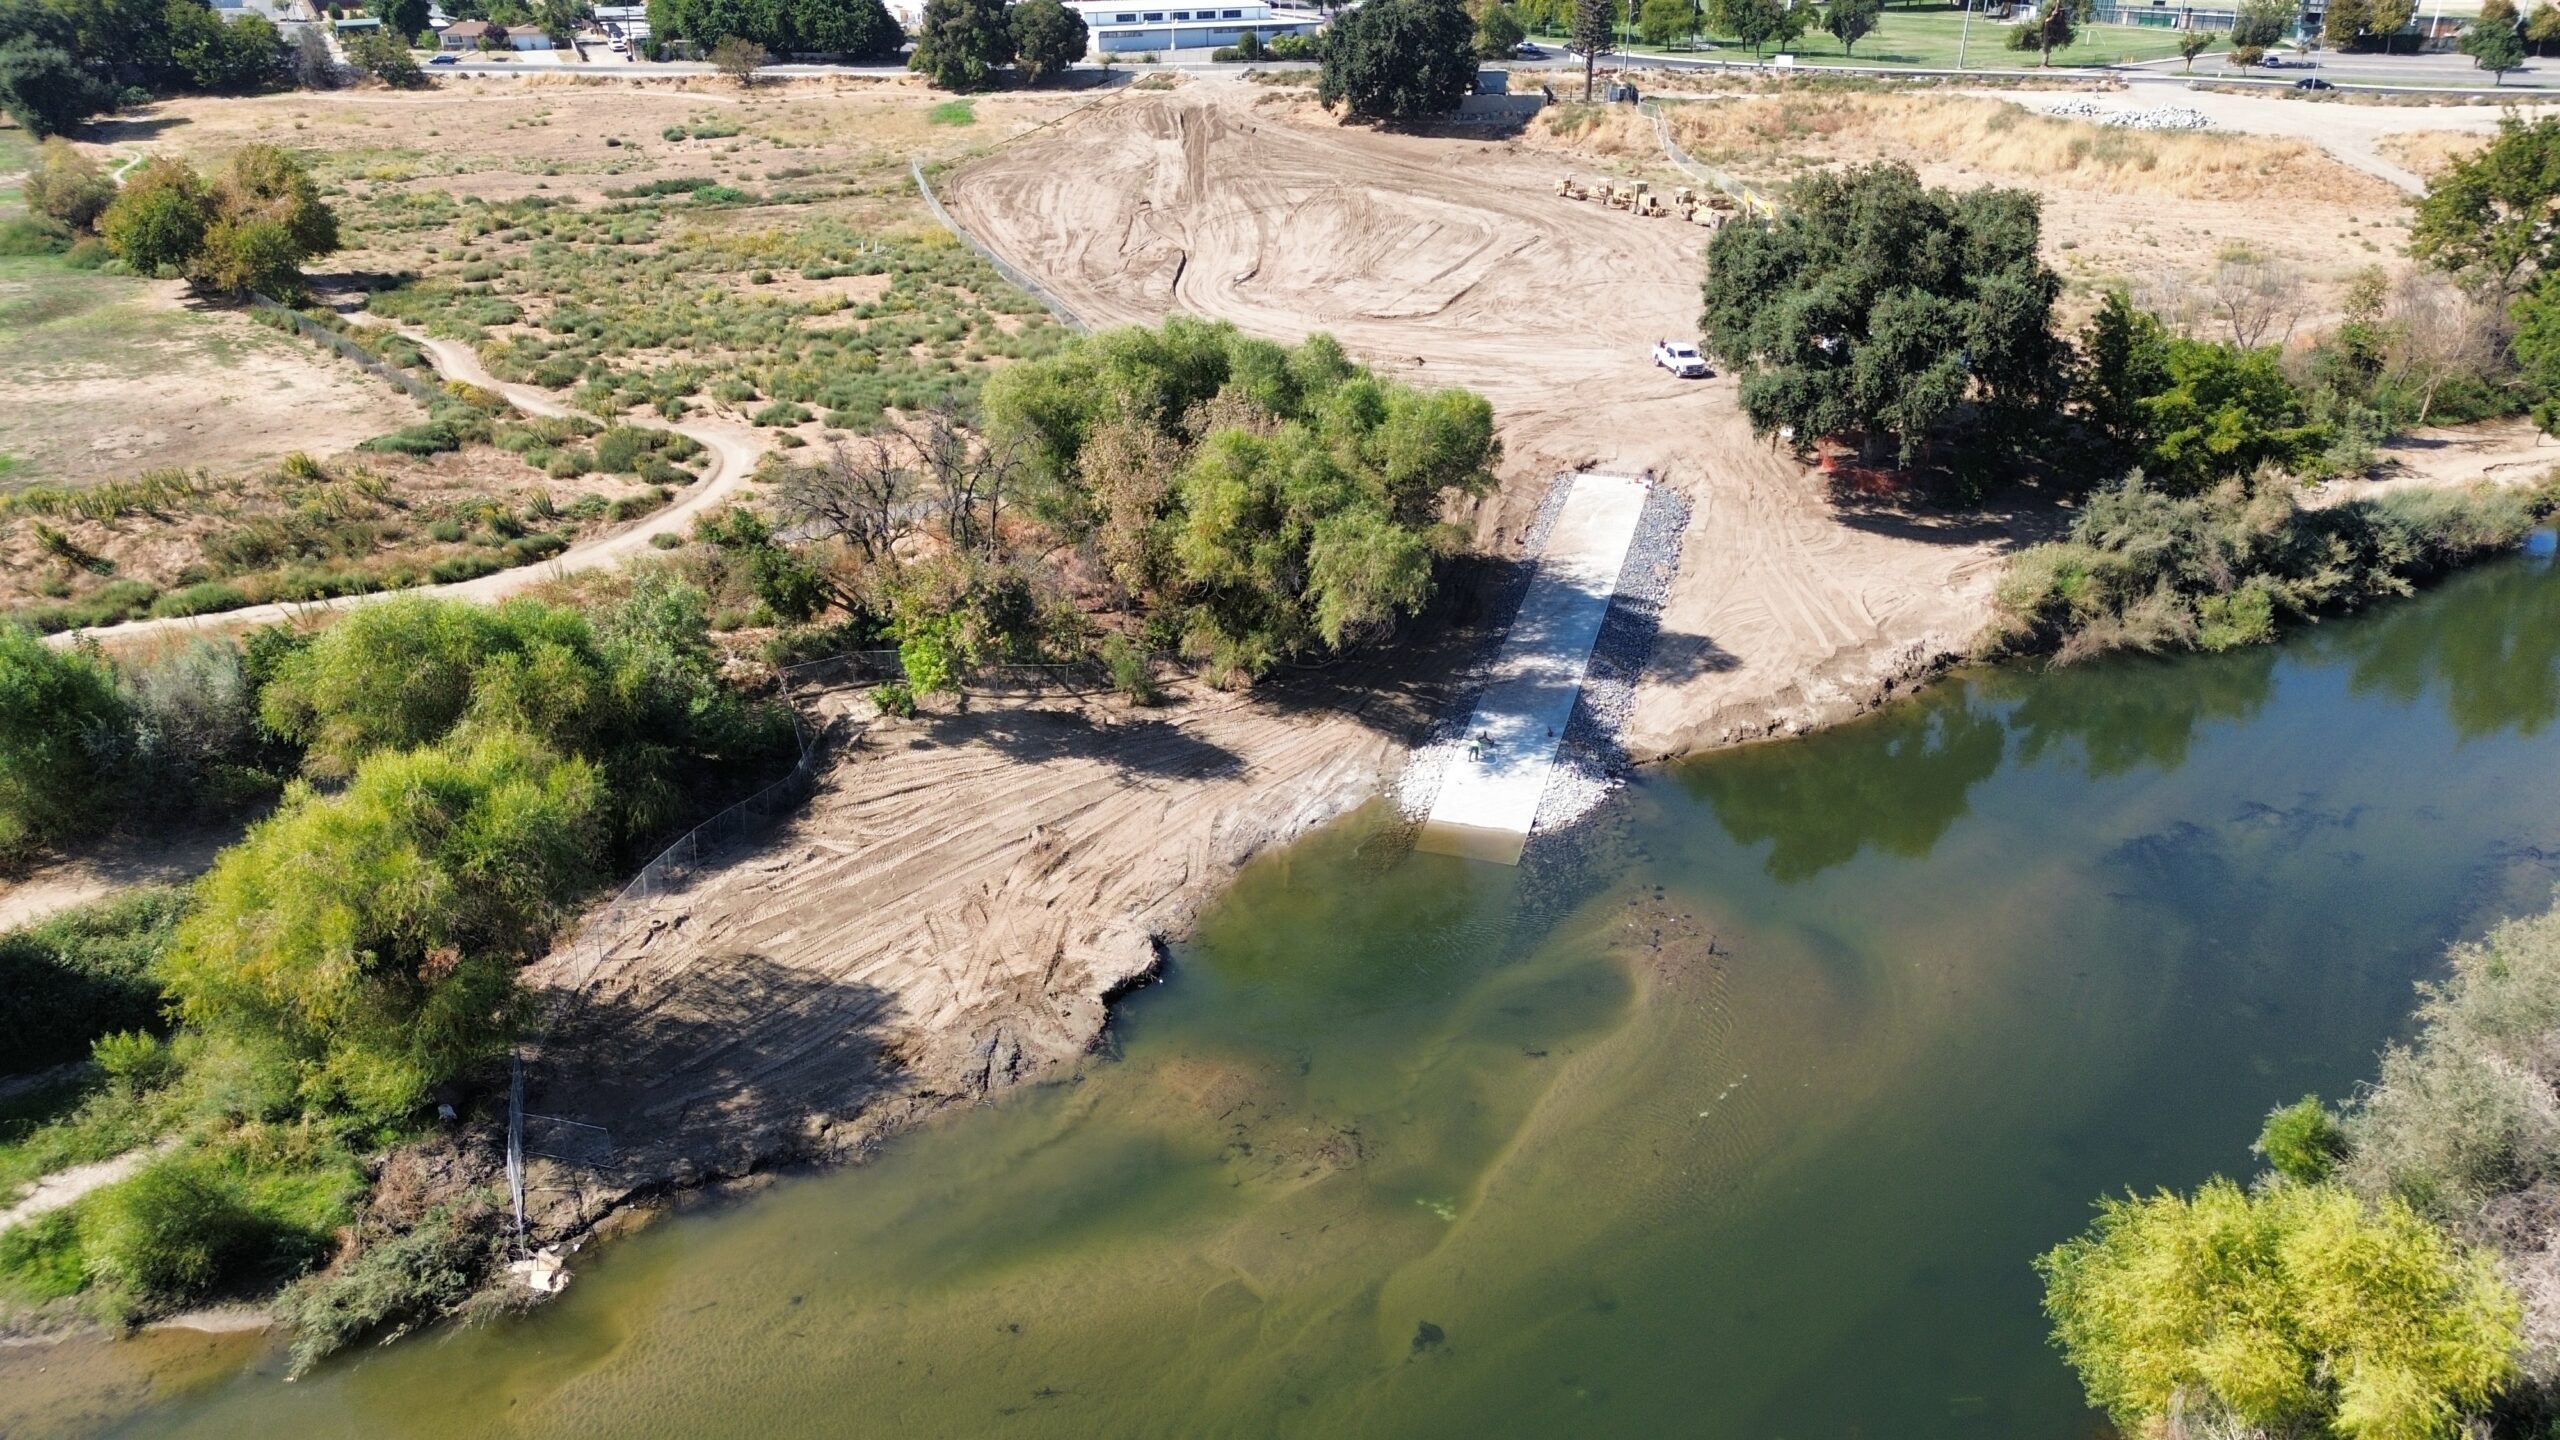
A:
1740	1113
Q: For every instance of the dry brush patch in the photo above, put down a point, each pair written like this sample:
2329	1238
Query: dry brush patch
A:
2429	152
175	542
2008	140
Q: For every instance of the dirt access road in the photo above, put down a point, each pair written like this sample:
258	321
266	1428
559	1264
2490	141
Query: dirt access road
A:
1452	261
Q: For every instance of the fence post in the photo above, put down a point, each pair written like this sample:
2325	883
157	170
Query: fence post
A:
515	1145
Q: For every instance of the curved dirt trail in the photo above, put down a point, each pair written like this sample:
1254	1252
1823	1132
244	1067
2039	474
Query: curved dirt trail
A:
735	449
1453	261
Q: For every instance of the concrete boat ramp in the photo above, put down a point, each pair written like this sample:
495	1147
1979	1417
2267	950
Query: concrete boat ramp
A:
1489	796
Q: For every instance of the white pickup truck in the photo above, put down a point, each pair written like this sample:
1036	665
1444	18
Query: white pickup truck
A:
1681	358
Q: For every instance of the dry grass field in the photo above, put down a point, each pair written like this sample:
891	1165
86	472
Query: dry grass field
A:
760	262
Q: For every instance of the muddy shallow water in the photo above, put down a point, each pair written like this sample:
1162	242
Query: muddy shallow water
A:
1741	1113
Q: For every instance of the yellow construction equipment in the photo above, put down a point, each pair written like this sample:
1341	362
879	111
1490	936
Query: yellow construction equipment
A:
1684	196
1573	189
1650	206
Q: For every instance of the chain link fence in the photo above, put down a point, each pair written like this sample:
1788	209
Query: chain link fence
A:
674	869
1033	288
309	329
1752	201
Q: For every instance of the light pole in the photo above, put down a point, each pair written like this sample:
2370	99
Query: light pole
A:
1964	33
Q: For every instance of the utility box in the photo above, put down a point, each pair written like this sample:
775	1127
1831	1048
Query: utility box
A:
1493	82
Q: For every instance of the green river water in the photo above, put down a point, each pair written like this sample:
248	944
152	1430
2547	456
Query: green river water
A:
1739	1114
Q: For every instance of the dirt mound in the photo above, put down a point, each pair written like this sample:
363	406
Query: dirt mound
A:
1453	261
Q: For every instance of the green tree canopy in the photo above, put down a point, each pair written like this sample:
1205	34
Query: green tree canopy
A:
858	30
1267	499
157	222
386	58
1499	30
208	52
2261	23
2291	1308
2053	25
963	43
1850	21
1876	308
1662	21
1757	23
250	231
375	934
1402	60
2495	39
2488	217
2225	412
1047	38
45	89
1595	33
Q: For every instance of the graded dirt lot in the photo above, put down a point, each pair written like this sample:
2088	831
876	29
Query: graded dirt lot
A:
1453	261
945	919
105	376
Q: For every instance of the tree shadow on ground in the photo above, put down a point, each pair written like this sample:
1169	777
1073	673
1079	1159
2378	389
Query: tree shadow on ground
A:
1154	747
709	1063
130	129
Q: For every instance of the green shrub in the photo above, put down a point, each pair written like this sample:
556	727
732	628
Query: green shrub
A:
41	1259
33	236
2302	1141
2144	570
178	1228
393	1284
83	974
208	598
134	1061
55	706
895	698
454	569
1131	675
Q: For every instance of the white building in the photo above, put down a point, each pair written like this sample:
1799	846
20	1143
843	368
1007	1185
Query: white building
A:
1122	28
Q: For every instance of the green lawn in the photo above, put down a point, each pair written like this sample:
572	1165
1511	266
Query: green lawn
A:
1928	40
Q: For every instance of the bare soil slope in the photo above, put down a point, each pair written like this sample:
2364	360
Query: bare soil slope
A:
1453	261
945	919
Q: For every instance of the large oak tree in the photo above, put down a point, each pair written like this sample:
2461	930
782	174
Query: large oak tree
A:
1875	308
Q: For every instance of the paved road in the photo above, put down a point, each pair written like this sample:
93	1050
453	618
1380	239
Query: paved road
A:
734	449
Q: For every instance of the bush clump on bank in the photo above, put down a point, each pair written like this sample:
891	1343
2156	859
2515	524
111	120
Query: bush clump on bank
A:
82	974
354	959
2144	570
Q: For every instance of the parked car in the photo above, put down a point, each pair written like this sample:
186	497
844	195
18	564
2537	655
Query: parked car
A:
442	59
1526	51
1680	358
2312	82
